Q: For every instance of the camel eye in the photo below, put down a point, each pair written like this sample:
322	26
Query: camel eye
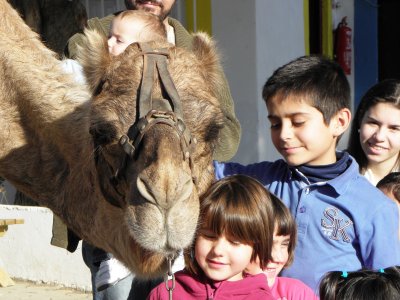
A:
99	88
212	132
103	133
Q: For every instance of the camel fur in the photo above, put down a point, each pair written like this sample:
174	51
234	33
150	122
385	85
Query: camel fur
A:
59	144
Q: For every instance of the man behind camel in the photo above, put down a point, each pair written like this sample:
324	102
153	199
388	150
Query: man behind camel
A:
225	150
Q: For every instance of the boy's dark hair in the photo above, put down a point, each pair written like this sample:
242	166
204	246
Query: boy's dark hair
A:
386	91
391	183
361	285
321	80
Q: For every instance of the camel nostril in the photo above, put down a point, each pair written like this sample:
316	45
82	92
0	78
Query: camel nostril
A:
174	191
186	189
144	190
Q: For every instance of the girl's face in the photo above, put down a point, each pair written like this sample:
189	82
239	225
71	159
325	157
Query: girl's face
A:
220	257
280	256
380	134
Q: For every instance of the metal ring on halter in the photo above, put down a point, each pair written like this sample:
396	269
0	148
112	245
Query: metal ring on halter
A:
169	275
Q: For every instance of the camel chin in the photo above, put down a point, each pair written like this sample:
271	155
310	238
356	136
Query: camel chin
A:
162	232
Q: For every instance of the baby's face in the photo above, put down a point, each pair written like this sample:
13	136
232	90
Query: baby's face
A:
122	34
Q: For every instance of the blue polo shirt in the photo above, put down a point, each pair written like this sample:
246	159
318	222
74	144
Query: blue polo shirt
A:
343	224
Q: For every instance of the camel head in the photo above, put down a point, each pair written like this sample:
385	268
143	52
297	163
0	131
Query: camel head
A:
154	141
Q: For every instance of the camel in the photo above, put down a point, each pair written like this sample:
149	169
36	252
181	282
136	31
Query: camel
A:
69	147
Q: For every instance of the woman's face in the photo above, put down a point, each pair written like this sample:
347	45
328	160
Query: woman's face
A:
380	134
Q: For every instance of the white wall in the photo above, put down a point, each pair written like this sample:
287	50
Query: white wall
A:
234	29
256	37
26	253
280	38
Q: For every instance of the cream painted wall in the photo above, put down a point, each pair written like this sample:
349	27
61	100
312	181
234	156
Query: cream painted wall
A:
256	37
26	253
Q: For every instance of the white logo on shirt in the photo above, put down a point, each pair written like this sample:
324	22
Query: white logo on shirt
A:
334	225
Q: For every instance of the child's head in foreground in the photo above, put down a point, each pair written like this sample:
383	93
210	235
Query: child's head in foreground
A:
383	284
390	185
283	245
235	228
308	102
284	241
132	26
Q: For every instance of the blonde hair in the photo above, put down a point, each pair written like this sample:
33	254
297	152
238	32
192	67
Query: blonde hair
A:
240	207
154	29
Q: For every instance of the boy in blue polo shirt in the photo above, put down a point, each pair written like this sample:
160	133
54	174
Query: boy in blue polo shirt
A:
344	222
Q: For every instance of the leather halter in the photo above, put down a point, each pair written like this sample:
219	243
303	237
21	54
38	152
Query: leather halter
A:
169	112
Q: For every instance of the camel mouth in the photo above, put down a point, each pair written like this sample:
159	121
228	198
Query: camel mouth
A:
163	231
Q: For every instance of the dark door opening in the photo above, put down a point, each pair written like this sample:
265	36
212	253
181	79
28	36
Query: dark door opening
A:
388	39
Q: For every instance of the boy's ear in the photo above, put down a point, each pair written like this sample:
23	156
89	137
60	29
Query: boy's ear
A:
341	121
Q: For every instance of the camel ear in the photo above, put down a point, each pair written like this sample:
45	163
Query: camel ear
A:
206	51
94	58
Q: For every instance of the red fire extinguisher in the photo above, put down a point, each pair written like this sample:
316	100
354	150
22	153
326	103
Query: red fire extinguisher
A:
343	46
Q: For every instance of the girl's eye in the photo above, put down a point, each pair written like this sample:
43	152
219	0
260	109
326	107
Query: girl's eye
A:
275	125
371	123
275	122
235	243
298	123
209	235
395	128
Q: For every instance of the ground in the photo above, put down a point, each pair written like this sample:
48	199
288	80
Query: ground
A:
24	290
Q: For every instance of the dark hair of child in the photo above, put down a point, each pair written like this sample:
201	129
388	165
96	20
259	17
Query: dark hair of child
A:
238	207
383	284
391	183
317	80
